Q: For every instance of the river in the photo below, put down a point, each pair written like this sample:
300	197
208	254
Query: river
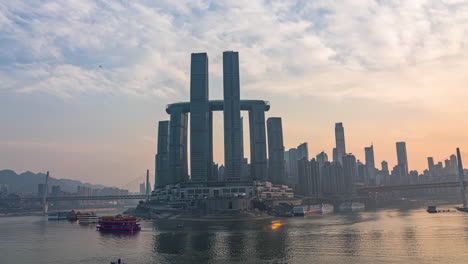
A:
383	236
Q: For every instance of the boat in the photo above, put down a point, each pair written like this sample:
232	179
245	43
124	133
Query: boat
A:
315	209
87	218
72	216
352	206
431	209
461	178
118	223
57	216
117	262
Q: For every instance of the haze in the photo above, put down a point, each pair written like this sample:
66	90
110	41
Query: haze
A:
83	83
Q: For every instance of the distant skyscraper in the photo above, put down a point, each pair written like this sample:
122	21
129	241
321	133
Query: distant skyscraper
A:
340	141
201	144
335	155
233	152
162	157
322	157
275	151
303	151
430	163
402	161
142	188
370	163
384	166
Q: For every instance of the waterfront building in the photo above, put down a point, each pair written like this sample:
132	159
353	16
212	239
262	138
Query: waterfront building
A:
162	157
349	172
233	144
292	167
275	151
200	109
340	142
332	178
201	143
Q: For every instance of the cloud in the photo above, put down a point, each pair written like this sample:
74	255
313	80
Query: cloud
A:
385	50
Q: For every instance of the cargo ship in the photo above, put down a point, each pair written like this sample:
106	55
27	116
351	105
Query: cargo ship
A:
118	223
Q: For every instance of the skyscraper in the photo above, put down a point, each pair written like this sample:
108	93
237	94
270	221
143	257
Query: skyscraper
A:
292	167
162	157
349	172
402	161
340	142
201	145
384	166
370	163
233	152
430	163
322	157
303	151
275	151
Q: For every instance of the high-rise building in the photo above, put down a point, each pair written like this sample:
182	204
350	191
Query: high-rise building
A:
349	172
233	153
142	188
303	171
162	156
201	144
402	161
370	163
303	151
430	163
275	151
332	178
384	165
291	165
335	155
340	142
321	158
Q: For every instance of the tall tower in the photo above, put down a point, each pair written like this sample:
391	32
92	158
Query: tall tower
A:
402	161
303	151
233	143
340	142
370	163
161	172
275	151
200	122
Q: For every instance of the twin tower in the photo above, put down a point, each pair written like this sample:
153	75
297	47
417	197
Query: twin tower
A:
172	155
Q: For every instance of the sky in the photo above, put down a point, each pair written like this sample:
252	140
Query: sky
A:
84	83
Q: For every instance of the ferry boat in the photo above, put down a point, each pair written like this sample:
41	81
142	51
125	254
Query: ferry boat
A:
87	218
118	223
431	209
352	206
57	216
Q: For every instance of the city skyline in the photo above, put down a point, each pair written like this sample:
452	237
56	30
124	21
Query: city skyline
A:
85	104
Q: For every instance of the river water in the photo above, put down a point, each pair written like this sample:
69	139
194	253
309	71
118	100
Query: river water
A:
383	236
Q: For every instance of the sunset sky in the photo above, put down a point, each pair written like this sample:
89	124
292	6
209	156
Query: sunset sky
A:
84	83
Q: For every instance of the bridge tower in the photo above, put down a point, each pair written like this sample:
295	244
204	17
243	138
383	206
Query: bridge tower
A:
45	204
